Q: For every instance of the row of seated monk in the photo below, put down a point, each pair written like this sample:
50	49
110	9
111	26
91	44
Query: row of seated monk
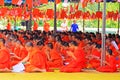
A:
68	51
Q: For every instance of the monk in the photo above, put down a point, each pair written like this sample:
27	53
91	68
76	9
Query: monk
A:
4	56
34	62
46	26
110	63
8	26
95	56
19	53
35	26
54	60
78	59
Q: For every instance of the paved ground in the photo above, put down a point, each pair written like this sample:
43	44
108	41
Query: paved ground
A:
87	75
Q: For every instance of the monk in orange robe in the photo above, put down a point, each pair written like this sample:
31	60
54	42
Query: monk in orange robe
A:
8	26
4	57
46	26
34	62
110	63
95	56
35	26
54	60
78	59
19	53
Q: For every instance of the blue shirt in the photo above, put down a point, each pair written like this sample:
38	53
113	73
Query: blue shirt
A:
74	27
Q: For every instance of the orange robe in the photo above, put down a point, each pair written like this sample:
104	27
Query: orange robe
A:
36	60
109	68
75	65
20	52
4	59
115	53
95	63
8	26
46	27
35	27
56	60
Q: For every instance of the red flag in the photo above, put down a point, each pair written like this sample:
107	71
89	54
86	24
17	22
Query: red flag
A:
50	13
29	3
93	16
63	14
78	14
2	2
58	1
44	1
71	9
4	11
84	3
99	14
35	12
76	6
17	2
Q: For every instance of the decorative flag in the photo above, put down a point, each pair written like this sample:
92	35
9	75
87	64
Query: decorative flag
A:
29	3
43	1
92	1
99	14
58	1
17	2
98	1
36	13
71	9
63	14
76	6
2	2
84	3
50	13
65	1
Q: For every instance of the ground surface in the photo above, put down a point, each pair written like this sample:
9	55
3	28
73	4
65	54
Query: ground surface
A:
87	75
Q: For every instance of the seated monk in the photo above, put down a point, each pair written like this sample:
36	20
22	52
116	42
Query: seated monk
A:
34	62
4	56
94	60
19	53
78	59
54	60
110	63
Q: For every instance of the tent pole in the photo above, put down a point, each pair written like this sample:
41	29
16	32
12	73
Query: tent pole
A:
98	18
103	34
119	20
83	21
55	17
30	22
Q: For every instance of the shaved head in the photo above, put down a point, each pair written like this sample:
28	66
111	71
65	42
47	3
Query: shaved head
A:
2	40
29	44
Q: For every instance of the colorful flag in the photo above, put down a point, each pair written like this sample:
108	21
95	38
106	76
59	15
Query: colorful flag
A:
17	2
65	1
43	1
58	1
2	2
29	3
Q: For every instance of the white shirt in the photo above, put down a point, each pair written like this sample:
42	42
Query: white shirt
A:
63	27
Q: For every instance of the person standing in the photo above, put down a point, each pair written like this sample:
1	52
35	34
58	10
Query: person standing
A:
74	27
46	26
8	27
35	26
64	26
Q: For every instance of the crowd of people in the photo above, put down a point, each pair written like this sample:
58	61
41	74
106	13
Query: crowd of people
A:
67	51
